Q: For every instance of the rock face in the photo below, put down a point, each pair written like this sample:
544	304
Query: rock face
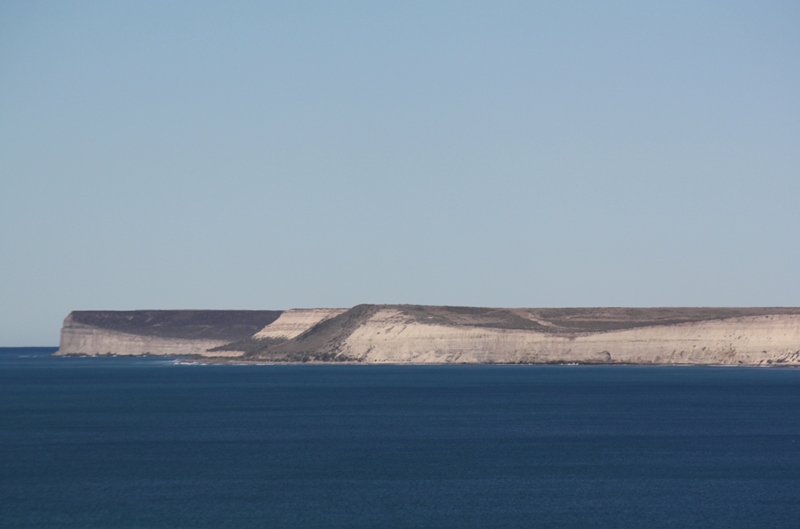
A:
429	334
158	332
389	336
292	323
414	334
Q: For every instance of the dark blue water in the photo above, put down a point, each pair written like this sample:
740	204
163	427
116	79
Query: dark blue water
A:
137	443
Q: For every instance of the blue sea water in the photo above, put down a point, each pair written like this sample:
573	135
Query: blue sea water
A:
146	443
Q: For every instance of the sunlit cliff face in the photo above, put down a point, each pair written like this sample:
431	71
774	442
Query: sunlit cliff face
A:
424	334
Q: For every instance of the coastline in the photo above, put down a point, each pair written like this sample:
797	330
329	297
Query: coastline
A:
423	335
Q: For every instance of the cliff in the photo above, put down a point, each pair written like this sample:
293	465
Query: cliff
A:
295	322
430	334
415	334
158	332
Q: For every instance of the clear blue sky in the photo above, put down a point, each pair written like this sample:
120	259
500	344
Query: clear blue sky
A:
268	155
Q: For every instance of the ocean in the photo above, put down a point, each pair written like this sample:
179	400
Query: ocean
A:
151	443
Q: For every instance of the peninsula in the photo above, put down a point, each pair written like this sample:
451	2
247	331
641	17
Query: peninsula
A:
416	334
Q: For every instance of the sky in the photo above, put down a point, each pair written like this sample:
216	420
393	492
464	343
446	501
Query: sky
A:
276	155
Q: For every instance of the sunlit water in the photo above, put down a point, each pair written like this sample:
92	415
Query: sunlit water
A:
138	443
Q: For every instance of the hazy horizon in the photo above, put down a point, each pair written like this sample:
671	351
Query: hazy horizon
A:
301	154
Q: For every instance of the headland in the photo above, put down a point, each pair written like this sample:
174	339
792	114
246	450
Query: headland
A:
419	334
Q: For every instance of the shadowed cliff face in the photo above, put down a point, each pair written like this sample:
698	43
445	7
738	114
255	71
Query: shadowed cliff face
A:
224	325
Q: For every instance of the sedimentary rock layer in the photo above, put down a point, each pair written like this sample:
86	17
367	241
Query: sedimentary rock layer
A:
414	334
389	336
292	323
158	332
430	334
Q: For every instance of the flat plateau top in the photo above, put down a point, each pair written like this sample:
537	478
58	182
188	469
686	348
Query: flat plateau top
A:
190	324
579	320
235	325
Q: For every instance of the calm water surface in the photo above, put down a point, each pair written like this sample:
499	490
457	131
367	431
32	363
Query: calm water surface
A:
141	443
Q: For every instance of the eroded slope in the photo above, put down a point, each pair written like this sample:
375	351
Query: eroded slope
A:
423	334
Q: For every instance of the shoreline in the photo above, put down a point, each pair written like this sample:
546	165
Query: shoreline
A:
444	335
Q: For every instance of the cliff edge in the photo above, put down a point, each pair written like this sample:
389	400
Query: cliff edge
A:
445	335
158	332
